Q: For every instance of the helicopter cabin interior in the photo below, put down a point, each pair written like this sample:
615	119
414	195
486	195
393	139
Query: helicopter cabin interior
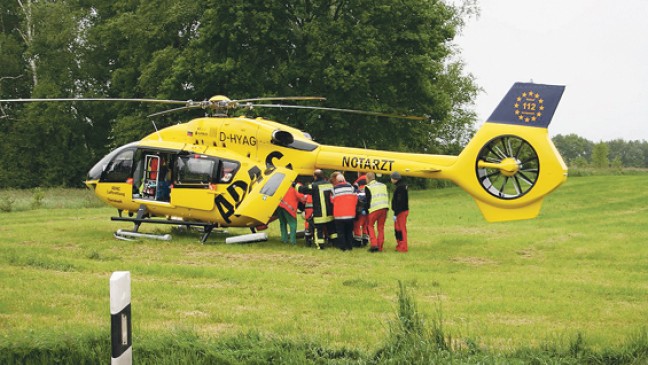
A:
154	173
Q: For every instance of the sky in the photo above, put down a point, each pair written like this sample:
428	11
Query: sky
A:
598	49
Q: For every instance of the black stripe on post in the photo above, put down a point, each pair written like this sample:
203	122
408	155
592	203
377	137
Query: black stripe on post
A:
121	331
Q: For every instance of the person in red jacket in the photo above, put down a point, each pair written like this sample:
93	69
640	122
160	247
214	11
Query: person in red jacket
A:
287	213
306	201
344	201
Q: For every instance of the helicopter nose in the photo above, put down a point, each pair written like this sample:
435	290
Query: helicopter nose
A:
91	184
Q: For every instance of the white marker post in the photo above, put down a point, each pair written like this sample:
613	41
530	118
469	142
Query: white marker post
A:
120	318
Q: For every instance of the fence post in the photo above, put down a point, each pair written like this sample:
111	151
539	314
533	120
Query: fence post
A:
120	318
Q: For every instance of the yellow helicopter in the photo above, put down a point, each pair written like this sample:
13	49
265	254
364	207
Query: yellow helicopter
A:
223	171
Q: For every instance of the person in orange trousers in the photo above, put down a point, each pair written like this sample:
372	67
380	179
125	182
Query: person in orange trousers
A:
400	206
307	201
378	205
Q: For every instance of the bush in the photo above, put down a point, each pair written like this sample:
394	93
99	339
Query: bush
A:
6	203
37	198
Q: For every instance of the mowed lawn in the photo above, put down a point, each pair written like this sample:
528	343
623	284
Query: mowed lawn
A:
580	268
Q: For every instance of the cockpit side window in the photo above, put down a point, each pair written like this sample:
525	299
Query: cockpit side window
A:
201	170
228	170
97	171
195	170
119	168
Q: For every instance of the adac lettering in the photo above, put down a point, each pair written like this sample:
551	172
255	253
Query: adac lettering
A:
237	139
234	195
374	164
254	174
275	155
224	205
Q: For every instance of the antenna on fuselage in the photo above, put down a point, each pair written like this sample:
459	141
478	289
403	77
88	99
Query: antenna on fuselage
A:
157	131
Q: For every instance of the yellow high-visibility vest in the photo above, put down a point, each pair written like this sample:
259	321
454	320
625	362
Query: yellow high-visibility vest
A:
325	212
379	197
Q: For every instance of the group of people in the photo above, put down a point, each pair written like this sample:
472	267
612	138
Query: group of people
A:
343	214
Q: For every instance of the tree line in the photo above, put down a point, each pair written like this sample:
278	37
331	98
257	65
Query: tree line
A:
580	152
376	55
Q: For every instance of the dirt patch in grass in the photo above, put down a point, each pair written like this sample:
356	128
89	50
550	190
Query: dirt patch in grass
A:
473	261
526	253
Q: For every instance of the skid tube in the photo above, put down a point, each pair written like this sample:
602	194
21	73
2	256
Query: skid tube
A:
143	217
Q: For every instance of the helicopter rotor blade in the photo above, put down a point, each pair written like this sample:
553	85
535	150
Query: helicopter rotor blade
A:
216	105
353	111
220	105
282	98
156	101
188	104
169	111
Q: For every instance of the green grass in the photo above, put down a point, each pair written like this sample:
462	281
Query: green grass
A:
13	200
574	278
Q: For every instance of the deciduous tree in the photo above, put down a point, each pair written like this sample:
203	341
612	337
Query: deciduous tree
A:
600	155
379	55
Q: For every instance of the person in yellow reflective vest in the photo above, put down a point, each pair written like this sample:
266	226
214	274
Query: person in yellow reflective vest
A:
321	190
378	203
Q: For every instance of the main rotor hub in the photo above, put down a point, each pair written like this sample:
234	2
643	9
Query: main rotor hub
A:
217	98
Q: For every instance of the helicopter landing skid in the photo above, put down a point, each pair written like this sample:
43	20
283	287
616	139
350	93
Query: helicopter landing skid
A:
143	217
130	236
122	238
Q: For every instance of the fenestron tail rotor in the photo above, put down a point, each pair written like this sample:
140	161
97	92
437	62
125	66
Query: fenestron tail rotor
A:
508	167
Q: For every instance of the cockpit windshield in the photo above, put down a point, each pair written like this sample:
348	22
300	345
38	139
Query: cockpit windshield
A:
97	170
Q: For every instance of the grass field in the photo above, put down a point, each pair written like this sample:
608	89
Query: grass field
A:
576	274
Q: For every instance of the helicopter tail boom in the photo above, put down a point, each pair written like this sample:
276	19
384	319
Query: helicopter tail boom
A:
508	167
